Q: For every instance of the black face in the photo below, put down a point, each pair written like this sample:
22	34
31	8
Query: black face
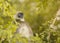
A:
20	15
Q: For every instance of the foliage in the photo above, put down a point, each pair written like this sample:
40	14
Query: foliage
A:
38	13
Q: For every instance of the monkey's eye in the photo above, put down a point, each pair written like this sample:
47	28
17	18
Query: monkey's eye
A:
20	15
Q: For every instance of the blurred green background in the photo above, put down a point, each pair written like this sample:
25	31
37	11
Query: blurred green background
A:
40	14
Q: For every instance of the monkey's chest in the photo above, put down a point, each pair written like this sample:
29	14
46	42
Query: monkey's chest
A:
24	30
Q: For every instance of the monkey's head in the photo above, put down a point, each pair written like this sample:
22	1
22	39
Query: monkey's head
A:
19	16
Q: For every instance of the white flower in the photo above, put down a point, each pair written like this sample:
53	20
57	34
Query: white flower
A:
21	1
58	18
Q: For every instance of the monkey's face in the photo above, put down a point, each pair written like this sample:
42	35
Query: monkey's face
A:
19	17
